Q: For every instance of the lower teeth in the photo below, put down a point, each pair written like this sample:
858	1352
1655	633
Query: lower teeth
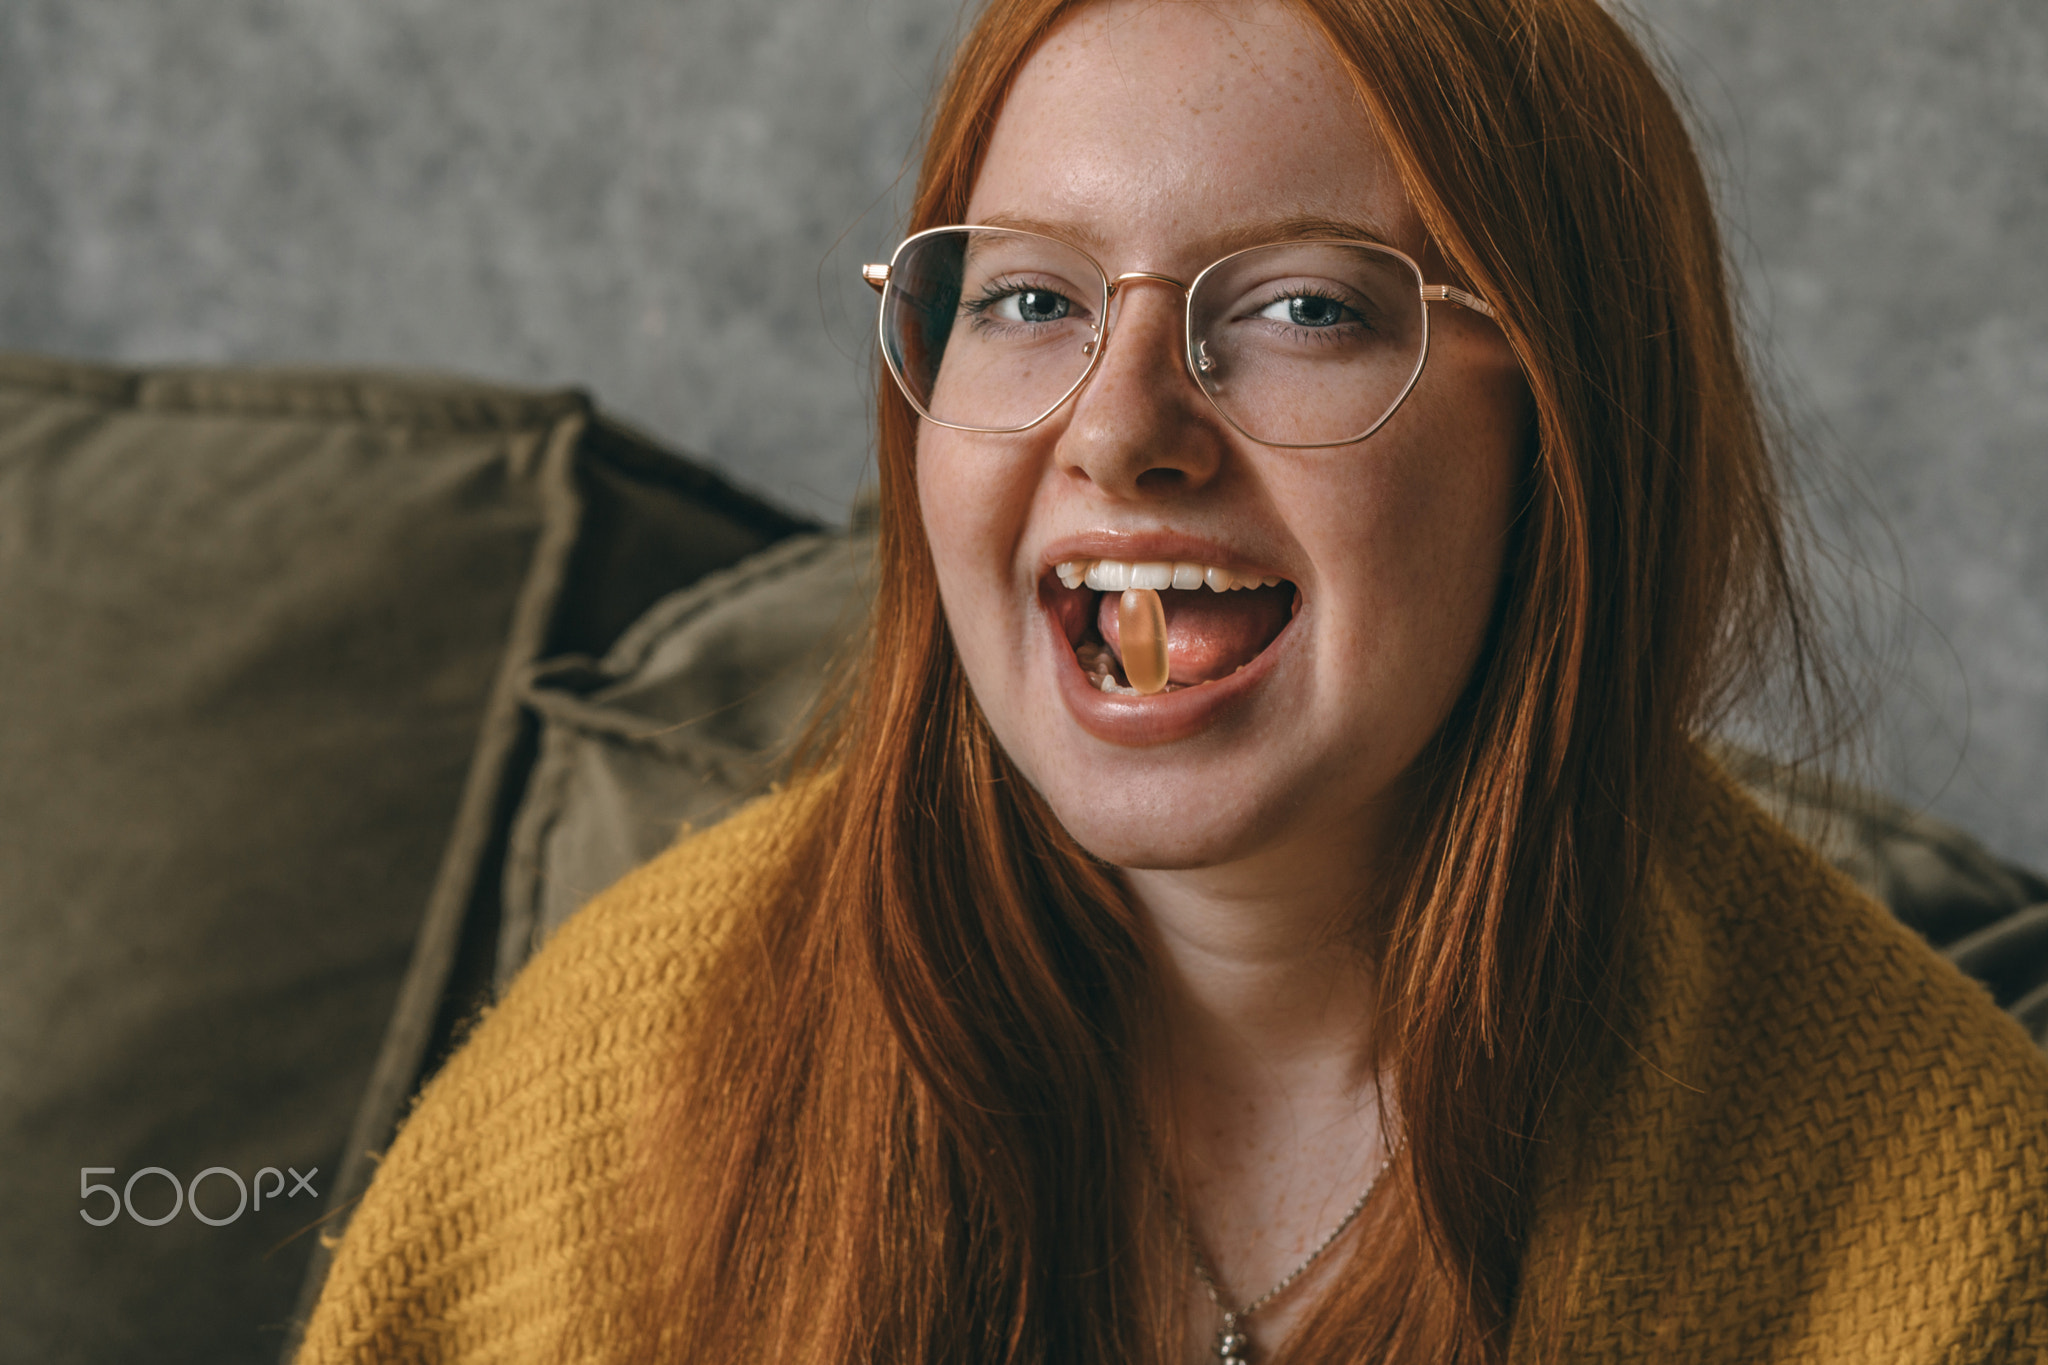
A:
1100	666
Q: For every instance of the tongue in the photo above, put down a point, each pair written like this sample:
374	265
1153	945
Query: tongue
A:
1210	634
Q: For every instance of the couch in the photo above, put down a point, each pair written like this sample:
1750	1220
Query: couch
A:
327	697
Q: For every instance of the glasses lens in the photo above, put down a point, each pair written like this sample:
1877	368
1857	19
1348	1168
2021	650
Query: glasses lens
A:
1308	343
988	328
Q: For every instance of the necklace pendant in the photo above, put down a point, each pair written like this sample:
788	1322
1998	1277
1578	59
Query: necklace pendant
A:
1233	1347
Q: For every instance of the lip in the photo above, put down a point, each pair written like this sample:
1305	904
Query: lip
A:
1138	722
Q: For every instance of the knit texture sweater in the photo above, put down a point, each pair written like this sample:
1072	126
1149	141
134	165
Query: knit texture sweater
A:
1822	1143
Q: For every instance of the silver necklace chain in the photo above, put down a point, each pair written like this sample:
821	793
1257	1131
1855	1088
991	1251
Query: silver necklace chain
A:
1233	1347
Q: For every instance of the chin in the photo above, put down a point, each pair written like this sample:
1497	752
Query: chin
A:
1150	821
1144	850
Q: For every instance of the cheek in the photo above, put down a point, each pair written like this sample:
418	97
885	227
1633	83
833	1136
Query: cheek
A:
938	505
952	502
1463	466
974	509
1464	511
1417	541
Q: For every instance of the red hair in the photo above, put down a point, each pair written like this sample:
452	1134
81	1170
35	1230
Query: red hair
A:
904	1130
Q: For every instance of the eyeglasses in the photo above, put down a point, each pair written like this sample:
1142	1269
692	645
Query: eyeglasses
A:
1296	344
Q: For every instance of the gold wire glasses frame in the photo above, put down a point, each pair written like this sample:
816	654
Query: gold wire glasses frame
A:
1195	358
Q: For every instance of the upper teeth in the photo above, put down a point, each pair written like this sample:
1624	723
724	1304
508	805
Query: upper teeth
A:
1115	575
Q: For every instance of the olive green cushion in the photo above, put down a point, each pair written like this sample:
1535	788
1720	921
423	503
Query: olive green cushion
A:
259	634
687	717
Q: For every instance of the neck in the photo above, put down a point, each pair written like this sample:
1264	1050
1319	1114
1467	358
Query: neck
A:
1264	994
1261	1066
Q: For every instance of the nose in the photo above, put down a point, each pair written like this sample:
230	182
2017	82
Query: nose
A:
1139	427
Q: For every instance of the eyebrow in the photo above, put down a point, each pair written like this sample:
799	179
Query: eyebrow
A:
1292	228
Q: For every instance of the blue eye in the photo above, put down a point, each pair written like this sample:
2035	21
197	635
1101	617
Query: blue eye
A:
1305	310
1031	305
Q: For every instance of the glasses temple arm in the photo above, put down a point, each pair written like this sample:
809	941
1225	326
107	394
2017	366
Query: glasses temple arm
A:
1444	293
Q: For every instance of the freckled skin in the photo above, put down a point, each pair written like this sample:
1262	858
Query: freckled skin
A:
1151	129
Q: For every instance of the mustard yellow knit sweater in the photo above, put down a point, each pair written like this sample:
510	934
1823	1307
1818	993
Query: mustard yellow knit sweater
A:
1825	1145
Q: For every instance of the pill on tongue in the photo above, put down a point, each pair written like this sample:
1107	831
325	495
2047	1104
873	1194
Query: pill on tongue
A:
1141	639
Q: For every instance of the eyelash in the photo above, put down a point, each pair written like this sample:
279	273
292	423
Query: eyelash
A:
995	291
1357	318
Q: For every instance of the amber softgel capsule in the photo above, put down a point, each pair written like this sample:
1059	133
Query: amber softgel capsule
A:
1141	639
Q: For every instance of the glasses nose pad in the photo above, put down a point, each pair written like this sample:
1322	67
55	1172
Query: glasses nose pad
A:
1204	362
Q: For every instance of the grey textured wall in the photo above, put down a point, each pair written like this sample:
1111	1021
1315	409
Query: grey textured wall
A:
1885	176
667	203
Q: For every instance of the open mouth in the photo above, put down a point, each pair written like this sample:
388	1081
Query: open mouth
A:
1217	620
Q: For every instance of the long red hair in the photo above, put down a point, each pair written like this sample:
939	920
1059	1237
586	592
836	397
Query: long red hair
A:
904	1129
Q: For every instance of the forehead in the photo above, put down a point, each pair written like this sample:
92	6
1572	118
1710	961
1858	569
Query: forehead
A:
1162	132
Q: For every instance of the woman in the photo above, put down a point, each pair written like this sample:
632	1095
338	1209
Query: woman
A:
1329	945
